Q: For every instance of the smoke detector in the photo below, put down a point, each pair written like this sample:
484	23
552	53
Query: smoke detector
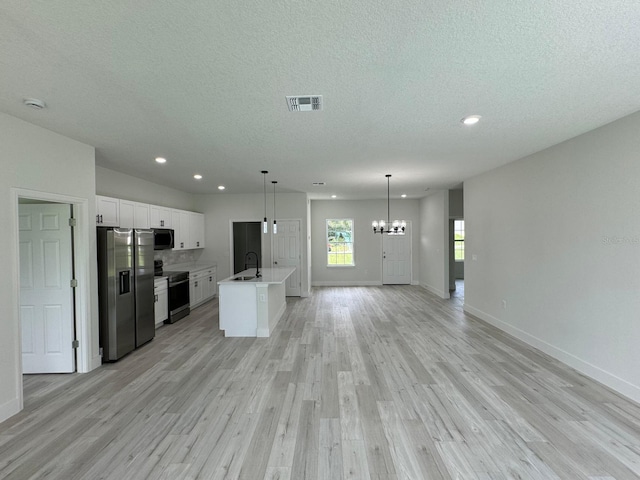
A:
304	103
34	103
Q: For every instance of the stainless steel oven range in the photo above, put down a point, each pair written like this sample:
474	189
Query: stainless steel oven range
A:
178	292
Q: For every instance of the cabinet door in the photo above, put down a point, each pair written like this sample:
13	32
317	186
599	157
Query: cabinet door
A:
184	229
107	211
211	284
195	292
141	215
180	225
159	217
127	214
196	230
161	306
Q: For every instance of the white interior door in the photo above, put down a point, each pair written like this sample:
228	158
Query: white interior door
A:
46	297
286	253
396	259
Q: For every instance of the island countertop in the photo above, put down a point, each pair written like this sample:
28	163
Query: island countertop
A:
269	276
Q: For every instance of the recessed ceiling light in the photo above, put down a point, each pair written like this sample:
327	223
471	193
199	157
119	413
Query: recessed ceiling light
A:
404	195
161	160
34	103
334	196
220	187
471	119
197	176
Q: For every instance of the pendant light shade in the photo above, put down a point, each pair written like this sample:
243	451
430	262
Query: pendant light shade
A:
396	227
265	225
275	225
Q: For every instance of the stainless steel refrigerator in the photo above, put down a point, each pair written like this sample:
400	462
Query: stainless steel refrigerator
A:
125	290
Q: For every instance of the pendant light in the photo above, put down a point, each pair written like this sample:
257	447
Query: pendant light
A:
275	225
265	225
396	227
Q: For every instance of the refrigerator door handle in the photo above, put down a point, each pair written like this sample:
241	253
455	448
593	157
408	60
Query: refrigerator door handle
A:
125	282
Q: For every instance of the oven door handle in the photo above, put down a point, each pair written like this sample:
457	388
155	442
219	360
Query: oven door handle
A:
178	283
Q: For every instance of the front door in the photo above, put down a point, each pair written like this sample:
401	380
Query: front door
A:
396	259
46	296
286	253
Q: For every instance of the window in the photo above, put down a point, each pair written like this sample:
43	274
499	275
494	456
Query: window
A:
340	242
458	240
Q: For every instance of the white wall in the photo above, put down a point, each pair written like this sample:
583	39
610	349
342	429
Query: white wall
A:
220	209
120	185
557	236
434	243
368	246
36	159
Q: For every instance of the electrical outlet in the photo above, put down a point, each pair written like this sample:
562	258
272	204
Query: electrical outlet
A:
504	304
474	257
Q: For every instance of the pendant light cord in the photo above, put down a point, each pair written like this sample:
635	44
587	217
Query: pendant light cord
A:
388	196
274	200
264	182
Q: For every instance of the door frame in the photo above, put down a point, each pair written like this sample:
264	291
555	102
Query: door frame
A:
82	257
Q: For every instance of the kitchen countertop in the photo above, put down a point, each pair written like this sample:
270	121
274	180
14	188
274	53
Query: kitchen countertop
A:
269	276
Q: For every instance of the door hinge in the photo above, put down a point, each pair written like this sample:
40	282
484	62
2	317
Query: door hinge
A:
73	222
74	283
75	344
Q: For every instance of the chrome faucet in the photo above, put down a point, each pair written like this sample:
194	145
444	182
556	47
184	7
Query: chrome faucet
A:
258	275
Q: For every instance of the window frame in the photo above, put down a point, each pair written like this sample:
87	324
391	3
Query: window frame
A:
456	241
352	243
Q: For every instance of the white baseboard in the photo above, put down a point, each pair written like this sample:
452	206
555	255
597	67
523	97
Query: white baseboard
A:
9	409
435	291
415	283
610	380
368	283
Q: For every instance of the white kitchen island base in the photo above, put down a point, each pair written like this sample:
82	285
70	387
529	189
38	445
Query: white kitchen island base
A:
252	308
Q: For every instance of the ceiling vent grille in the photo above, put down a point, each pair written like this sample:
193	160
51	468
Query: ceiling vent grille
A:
304	103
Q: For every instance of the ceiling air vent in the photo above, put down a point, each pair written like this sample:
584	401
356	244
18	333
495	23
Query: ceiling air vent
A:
304	103
318	184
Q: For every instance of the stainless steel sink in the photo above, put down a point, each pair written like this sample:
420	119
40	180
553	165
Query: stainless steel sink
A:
244	279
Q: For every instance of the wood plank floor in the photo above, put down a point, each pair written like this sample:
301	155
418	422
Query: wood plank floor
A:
356	383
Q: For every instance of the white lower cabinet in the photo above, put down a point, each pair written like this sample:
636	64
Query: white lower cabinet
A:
161	300
196	293
202	286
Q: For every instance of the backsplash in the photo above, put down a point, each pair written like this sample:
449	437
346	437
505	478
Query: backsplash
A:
170	257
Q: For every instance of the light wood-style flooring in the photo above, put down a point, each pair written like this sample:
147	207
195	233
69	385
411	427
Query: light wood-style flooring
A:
356	383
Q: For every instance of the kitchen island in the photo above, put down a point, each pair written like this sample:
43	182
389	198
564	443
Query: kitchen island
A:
250	306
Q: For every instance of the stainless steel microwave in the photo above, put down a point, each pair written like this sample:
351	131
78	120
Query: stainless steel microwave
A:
162	238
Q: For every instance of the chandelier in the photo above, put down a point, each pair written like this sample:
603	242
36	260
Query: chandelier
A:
396	227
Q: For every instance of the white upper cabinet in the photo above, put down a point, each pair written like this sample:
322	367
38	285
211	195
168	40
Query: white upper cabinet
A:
159	217
107	211
141	215
196	230
188	226
134	214
127	212
181	229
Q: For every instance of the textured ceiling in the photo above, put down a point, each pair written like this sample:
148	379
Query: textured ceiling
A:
203	84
